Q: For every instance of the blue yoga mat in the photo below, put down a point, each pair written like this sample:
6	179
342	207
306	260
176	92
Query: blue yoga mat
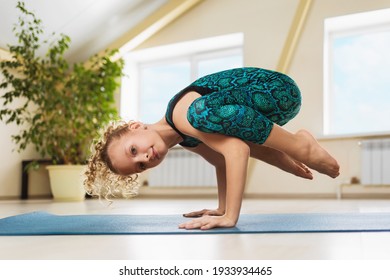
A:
42	223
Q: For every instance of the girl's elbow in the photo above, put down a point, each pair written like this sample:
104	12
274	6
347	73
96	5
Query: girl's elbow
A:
243	148
238	149
246	150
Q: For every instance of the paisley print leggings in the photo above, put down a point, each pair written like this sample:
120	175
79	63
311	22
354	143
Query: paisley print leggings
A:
244	103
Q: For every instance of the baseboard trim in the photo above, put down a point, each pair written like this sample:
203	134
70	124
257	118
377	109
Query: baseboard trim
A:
211	193
290	196
365	191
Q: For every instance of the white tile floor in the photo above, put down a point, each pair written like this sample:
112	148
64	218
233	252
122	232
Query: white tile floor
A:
298	246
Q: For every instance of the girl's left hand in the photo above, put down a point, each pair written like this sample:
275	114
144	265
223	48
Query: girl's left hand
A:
208	222
204	212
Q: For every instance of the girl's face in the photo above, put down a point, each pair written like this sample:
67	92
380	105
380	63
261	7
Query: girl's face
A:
137	150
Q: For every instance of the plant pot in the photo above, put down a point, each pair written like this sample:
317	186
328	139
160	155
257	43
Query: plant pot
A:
66	182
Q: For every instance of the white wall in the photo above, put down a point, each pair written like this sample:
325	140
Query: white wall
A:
11	162
265	24
307	70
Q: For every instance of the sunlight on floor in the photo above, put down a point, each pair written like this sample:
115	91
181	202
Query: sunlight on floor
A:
301	246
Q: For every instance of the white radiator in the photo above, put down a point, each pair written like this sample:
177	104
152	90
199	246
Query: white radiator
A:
376	162
181	168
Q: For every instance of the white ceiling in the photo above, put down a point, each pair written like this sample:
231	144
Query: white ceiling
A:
91	24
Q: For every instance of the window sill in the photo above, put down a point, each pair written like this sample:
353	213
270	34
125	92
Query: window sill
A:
357	136
198	192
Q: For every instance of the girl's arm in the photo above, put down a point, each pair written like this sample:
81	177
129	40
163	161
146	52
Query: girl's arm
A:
218	161
236	154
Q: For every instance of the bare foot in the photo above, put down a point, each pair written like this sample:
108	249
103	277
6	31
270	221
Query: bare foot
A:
302	170
294	167
280	160
316	157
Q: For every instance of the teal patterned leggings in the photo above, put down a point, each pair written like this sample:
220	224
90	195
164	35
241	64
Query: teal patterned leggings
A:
244	103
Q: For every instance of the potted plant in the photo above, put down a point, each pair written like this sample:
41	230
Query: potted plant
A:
59	107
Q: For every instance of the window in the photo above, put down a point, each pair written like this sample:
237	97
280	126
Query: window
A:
154	75
356	74
158	83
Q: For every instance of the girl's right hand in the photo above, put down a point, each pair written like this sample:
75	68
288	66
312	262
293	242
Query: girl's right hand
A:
208	222
204	212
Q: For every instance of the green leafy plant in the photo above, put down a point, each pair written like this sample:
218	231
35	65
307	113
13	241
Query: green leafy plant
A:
59	107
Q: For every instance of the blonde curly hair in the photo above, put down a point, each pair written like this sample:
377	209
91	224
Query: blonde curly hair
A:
102	180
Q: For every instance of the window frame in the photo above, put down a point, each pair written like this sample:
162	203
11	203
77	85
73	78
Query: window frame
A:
347	25
194	51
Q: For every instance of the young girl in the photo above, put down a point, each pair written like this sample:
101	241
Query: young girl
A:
226	118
